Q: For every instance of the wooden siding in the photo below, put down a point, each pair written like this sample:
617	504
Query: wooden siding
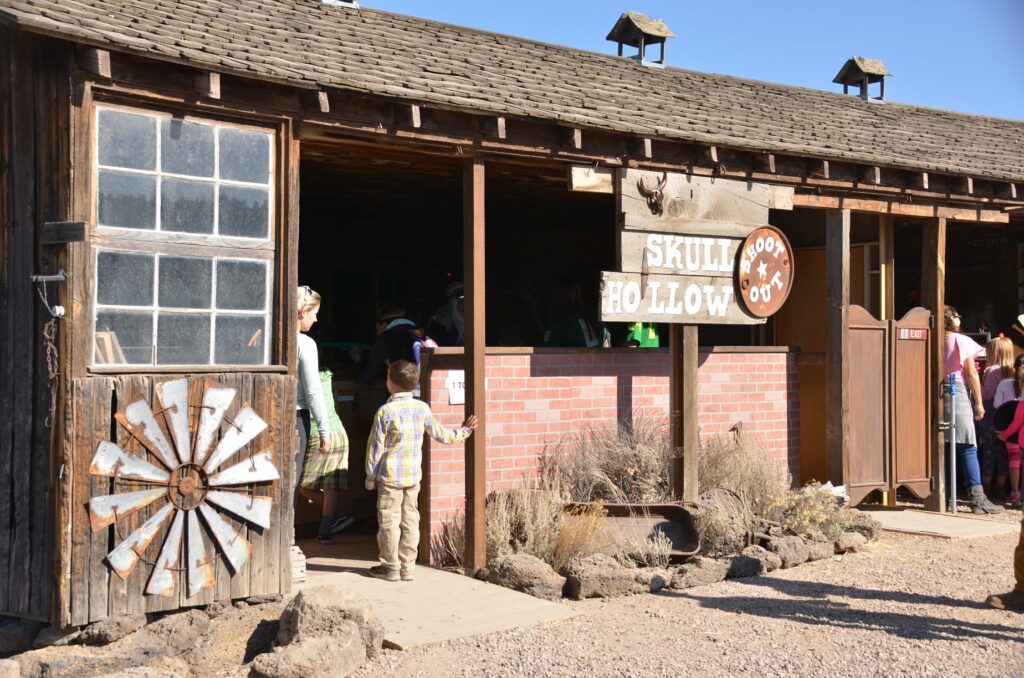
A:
95	591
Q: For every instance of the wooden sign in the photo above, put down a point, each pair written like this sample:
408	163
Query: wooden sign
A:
765	271
694	198
689	299
911	334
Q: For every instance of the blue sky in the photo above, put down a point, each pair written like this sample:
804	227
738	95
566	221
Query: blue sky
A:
963	55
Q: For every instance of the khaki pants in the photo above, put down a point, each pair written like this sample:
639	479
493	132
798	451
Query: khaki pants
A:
398	517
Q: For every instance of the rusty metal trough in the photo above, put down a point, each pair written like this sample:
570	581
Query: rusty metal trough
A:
634	523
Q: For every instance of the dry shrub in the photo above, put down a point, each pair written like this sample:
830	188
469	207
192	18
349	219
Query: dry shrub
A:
810	509
653	551
738	463
523	520
722	533
582	533
628	463
448	546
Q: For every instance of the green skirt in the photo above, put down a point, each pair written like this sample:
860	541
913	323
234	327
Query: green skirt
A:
327	471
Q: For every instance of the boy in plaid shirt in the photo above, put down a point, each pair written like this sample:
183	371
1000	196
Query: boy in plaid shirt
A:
394	459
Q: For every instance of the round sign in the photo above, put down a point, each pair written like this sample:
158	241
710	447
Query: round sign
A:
765	272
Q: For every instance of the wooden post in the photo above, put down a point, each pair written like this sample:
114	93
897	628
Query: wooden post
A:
475	342
683	406
933	297
886	267
837	339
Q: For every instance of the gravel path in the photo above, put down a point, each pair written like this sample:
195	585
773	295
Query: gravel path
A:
908	606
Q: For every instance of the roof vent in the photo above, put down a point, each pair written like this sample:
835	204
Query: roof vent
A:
341	3
862	72
636	30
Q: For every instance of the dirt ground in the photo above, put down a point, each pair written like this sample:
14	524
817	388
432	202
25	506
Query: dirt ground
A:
908	606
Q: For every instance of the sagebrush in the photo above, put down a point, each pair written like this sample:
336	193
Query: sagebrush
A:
523	520
448	546
653	551
582	533
740	464
813	508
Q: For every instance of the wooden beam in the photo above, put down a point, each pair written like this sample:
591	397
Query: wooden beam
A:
837	341
900	208
713	154
590	179
871	174
494	128
317	100
641	147
818	168
475	356
933	297
683	397
93	60
886	266
208	85
965	184
1007	191
570	137
767	162
415	120
920	180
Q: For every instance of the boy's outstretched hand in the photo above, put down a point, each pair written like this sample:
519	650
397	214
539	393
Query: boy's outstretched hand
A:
470	422
370	485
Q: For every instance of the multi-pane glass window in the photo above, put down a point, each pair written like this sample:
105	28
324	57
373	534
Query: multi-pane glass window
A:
184	258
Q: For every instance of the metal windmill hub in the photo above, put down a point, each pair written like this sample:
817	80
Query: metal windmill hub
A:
188	486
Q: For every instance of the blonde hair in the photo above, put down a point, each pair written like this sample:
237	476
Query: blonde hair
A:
999	353
308	298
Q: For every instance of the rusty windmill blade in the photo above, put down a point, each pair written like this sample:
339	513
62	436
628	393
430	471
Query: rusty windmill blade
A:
216	400
138	419
253	509
113	462
235	547
106	509
258	469
200	568
246	426
173	396
161	582
126	555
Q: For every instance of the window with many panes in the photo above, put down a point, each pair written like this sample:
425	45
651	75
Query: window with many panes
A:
184	248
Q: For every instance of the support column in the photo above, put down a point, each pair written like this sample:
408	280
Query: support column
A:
837	342
886	267
933	297
475	349
683	408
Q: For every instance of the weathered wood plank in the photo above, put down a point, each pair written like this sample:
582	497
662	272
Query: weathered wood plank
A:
100	427
208	85
671	298
697	198
80	541
901	209
590	179
570	137
837	340
780	197
695	254
933	297
7	308
632	222
93	60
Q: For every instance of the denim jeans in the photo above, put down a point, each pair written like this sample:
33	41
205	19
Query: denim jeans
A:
968	470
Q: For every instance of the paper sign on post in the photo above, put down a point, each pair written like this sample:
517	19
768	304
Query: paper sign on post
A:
455	382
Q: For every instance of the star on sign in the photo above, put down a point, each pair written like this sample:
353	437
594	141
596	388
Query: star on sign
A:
762	269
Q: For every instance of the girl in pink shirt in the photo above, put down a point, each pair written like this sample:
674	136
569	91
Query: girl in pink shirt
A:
995	464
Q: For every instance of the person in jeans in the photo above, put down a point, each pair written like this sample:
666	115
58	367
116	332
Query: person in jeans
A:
394	460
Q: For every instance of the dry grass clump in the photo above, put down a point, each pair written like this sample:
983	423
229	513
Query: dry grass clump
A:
653	551
523	520
582	533
448	546
722	533
628	463
738	463
812	508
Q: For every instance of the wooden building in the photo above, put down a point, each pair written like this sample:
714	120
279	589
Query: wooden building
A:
158	153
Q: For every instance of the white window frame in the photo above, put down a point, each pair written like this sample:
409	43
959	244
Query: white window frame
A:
159	243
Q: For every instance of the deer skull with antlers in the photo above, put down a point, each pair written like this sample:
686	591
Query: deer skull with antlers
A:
655	196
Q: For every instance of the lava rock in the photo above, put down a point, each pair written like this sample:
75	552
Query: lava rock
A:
525	573
600	576
336	655
769	561
9	669
319	610
792	550
654	578
54	636
819	546
850	541
112	629
700	571
864	524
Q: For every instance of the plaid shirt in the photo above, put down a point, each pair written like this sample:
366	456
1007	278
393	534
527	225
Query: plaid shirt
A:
394	452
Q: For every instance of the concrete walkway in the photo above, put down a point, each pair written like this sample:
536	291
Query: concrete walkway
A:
437	606
944	525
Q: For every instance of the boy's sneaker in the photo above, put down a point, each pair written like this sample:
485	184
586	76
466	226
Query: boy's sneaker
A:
381	572
1014	601
407	575
341	524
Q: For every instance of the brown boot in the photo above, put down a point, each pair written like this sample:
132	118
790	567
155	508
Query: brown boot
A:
1013	601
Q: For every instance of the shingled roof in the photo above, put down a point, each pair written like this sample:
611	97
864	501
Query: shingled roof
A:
308	44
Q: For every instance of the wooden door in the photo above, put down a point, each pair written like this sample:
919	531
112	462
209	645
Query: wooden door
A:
911	398
868	465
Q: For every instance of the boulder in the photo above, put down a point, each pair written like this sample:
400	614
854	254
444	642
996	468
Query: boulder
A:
791	550
864	524
770	561
320	610
336	655
112	629
700	571
850	541
16	635
526	573
234	639
600	576
9	669
654	578
819	546
54	636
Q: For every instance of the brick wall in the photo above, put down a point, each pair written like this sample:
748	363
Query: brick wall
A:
538	397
